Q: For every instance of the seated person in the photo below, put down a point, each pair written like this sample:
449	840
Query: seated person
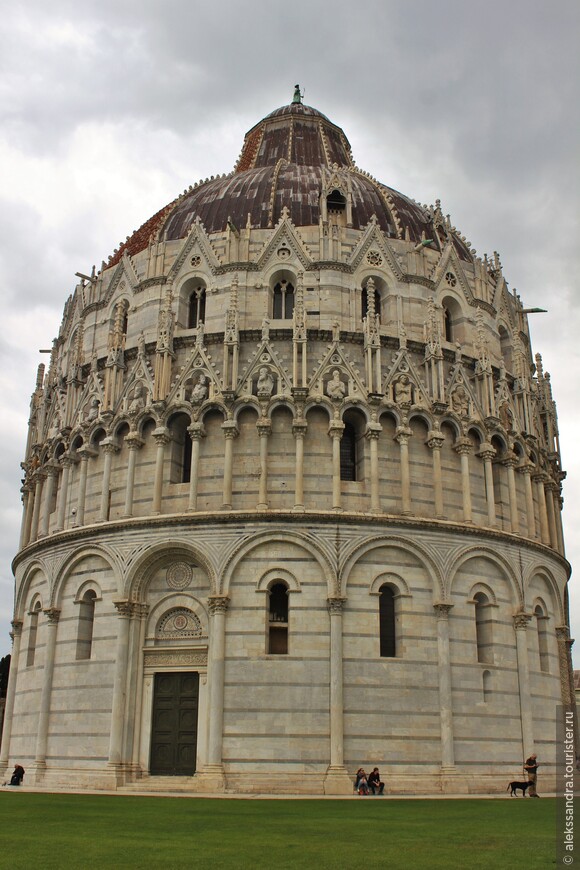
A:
374	781
17	775
361	784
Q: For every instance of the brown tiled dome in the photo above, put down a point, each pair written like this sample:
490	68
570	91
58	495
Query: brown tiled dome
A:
285	161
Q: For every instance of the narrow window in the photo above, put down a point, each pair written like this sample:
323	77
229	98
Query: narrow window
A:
448	324
86	624
278	619
196	308
32	632
388	640
180	471
486	680
336	202
283	301
483	628
348	453
542	630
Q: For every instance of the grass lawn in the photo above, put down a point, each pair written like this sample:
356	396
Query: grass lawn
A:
42	832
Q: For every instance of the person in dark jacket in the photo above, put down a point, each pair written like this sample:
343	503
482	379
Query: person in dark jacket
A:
17	775
374	781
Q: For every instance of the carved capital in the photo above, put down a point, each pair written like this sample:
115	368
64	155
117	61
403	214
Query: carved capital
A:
402	434
521	621
124	608
435	440
463	446
442	609
230	429
218	604
336	605
373	431
16	628
108	446
562	634
510	460
486	451
264	427
161	436
196	431
133	441
336	429
299	428
52	614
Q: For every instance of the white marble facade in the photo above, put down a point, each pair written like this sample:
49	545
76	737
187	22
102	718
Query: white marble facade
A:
337	411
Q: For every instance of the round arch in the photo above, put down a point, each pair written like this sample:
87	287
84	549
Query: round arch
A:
357	550
502	564
140	573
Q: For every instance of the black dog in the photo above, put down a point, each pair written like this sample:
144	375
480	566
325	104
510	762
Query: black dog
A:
515	785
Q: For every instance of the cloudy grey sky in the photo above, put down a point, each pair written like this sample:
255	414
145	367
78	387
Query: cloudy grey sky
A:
110	108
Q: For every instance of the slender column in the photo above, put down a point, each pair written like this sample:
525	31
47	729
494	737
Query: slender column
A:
402	436
51	475
216	666
161	437
134	443
521	621
38	483
435	442
538	479
510	463
373	432
463	447
526	471
66	463
486	452
85	454
196	433
551	515
141	610
264	428
230	431
558	503
28	495
10	694
335	431
335	607
125	611
52	615
109	449
442	610
299	431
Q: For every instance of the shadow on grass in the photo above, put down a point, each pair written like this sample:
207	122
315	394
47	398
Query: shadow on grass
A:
104	831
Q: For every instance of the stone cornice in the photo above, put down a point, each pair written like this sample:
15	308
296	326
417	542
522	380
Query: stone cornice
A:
284	519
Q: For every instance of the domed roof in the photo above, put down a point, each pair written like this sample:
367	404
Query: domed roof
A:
289	159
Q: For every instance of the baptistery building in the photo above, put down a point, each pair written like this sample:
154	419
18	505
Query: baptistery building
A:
291	500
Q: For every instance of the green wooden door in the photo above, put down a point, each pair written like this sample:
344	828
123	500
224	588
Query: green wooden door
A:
174	727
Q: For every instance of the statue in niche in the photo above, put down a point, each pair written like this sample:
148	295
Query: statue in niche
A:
265	329
335	388
403	391
93	410
137	398
200	391
460	399
265	383
506	417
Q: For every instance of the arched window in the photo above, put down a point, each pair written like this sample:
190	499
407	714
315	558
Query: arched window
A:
483	627
486	684
180	471
388	639
348	453
335	202
542	630
447	324
32	632
352	447
196	310
365	300
278	619
86	624
283	300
